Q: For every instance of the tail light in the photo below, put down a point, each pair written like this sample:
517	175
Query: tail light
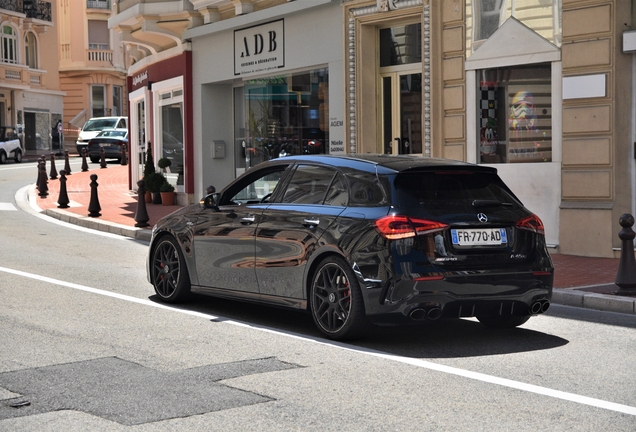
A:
531	223
400	227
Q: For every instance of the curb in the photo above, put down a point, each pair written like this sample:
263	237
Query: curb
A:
100	225
590	300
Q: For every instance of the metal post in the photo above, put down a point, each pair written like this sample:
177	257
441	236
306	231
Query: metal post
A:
53	173
93	207
84	163
626	276
141	215
67	165
63	200
102	158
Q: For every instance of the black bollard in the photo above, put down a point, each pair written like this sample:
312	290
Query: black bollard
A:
38	179
93	207
84	163
43	186
124	154
102	158
626	276
67	165
53	173
141	215
62	200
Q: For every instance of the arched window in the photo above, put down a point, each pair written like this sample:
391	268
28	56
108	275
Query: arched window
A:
30	50
9	45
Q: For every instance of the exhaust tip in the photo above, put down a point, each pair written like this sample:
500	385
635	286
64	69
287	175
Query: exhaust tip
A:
417	314
434	314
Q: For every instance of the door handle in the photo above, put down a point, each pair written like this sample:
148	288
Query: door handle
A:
311	222
249	219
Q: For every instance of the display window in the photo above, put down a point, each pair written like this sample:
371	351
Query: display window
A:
281	115
515	114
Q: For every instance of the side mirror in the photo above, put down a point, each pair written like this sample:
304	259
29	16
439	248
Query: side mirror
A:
211	201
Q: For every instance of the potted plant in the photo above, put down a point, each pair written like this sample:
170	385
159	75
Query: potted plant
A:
164	163
154	181
167	193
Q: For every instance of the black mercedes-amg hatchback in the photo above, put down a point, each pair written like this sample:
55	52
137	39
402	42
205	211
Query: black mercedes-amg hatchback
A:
362	239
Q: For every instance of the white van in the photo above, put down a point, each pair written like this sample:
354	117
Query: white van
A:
96	125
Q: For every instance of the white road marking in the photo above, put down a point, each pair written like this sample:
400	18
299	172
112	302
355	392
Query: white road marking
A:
7	206
477	376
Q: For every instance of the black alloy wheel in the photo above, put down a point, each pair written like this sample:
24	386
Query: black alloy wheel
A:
169	273
503	322
18	156
336	302
3	157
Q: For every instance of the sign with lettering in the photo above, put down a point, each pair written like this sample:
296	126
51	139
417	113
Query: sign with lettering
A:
260	48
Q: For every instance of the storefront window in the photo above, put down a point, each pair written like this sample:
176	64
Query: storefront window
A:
172	141
282	115
515	114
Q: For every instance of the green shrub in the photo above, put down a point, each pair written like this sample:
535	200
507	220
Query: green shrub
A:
166	187
154	181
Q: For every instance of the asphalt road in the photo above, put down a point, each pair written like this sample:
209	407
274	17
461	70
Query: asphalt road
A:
85	346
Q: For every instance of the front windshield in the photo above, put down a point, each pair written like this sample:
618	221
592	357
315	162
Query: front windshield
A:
99	124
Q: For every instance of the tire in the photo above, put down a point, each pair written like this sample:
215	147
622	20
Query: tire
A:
168	271
503	322
18	156
336	301
3	157
94	159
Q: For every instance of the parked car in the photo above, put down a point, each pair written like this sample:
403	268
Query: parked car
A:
111	140
357	240
10	145
94	126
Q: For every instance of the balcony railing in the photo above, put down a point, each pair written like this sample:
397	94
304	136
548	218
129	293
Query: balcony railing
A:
31	8
100	56
97	4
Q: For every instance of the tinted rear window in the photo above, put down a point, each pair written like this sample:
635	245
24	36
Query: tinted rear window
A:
440	193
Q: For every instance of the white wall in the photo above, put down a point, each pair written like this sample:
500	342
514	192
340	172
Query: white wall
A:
313	38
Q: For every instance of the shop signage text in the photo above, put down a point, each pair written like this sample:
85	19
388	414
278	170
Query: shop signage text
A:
138	79
260	48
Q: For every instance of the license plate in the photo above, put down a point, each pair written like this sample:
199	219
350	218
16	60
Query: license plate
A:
479	237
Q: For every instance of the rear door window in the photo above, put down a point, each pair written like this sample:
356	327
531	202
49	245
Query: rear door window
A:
309	185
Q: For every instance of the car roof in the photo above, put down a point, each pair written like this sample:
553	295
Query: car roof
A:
389	163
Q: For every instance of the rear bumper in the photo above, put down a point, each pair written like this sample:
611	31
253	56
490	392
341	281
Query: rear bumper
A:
458	296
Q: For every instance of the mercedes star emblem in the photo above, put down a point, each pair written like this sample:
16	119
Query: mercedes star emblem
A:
482	218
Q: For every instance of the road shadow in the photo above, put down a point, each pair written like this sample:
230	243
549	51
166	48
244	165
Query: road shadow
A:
446	338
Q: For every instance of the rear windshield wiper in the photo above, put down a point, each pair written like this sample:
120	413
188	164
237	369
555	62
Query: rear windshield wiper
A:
490	203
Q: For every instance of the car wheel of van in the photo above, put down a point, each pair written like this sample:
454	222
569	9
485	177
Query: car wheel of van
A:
508	321
94	159
3	157
336	301
169	274
18	156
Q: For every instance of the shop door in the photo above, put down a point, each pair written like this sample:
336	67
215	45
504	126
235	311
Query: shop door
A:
401	106
30	137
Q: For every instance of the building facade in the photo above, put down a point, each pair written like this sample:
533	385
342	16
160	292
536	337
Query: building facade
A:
30	96
541	89
91	63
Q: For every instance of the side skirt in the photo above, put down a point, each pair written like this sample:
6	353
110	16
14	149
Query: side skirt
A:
251	297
